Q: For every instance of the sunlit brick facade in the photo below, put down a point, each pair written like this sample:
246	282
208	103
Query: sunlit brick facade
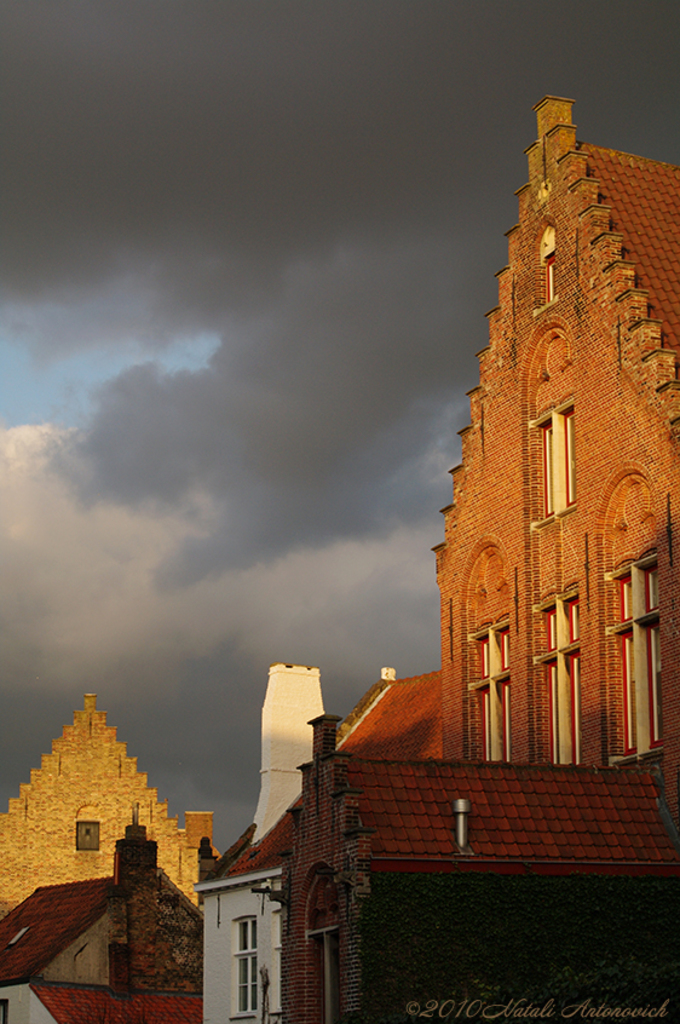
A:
558	574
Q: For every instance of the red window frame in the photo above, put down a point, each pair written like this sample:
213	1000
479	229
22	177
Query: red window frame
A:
507	720
504	647
548	469
626	597
484	658
550	277
485	718
573	614
628	676
574	669
553	713
569	458
654	684
551	629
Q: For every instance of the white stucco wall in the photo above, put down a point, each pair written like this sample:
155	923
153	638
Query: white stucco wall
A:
293	698
226	902
24	1007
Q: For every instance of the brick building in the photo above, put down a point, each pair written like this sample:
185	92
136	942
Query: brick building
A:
98	949
542	746
76	806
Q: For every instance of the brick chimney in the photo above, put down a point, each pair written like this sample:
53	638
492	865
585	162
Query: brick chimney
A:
133	912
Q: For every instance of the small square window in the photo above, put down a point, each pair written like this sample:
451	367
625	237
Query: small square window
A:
87	835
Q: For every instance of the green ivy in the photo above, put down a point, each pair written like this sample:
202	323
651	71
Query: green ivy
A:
479	935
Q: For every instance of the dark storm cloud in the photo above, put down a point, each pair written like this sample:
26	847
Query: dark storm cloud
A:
324	187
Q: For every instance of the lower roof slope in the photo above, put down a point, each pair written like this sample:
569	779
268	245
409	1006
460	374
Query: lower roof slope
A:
537	813
70	1004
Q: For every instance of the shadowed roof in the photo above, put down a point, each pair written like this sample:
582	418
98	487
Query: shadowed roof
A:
54	916
645	200
537	813
72	1005
266	853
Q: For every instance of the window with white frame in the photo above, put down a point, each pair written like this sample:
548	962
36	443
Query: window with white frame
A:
640	654
492	683
561	658
246	965
276	962
558	460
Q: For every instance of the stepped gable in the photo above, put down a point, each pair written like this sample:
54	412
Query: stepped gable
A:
88	781
399	720
54	916
568	816
645	200
70	1005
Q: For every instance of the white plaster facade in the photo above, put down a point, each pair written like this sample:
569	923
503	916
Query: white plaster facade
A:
23	1006
228	902
293	698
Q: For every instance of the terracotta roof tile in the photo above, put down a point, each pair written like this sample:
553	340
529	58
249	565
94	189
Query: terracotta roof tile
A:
645	200
267	852
72	1005
543	813
404	722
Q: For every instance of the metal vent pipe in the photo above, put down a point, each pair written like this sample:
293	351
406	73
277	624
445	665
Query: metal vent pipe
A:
461	809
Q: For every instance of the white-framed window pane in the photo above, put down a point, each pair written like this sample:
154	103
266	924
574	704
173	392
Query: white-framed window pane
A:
626	598
551	629
652	588
574	621
484	658
505	648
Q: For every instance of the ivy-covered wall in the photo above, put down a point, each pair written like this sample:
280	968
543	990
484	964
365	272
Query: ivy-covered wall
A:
432	937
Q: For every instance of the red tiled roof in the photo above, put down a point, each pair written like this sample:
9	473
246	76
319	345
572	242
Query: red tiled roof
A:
532	813
72	1005
55	915
266	853
645	200
404	722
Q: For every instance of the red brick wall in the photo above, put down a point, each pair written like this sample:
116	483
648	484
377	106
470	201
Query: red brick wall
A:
326	876
596	346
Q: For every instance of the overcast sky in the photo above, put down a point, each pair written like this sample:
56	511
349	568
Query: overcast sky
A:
248	246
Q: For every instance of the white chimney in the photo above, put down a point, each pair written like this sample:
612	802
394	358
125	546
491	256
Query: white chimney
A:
293	698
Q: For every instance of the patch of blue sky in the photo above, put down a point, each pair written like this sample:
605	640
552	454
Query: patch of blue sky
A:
60	390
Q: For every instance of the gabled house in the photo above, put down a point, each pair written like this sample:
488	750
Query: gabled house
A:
76	806
545	754
103	942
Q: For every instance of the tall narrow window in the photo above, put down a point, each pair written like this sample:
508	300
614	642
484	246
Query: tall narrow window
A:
570	461
562	660
246	965
549	506
485	715
492	684
640	646
553	710
506	716
550	277
547	254
574	670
